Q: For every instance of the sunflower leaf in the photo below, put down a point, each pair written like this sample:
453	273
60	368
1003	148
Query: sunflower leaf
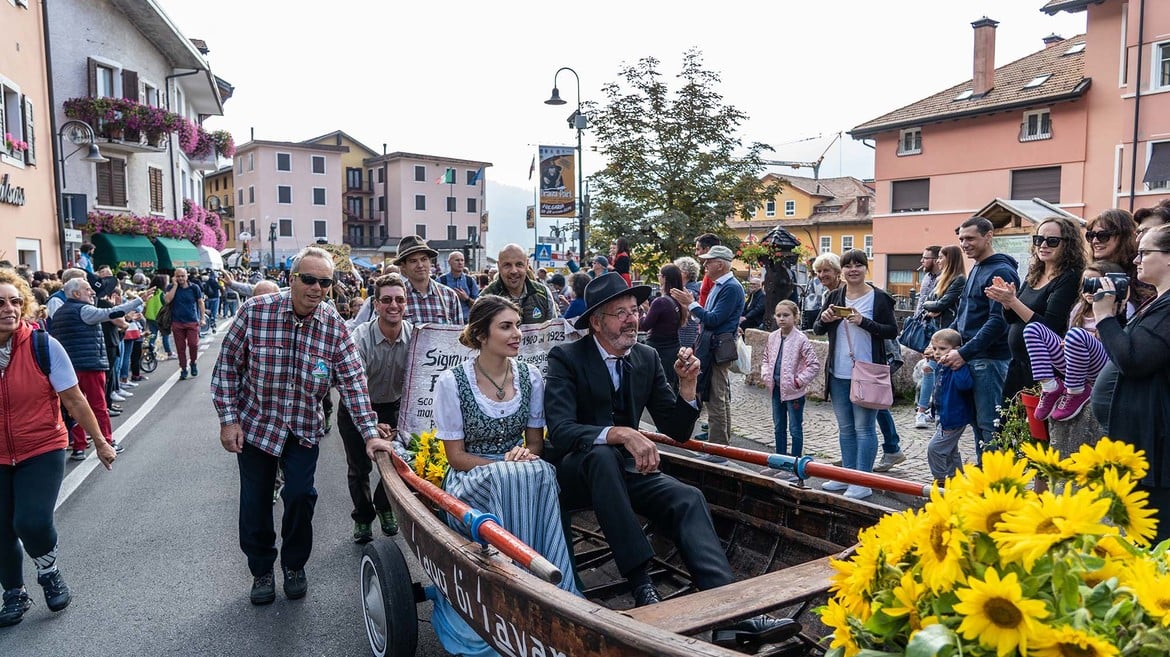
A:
932	641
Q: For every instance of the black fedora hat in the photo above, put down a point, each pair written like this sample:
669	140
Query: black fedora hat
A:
606	288
413	244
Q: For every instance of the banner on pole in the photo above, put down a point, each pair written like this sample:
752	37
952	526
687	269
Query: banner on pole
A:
435	349
558	186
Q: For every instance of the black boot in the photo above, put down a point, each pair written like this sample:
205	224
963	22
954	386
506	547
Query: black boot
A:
16	602
57	594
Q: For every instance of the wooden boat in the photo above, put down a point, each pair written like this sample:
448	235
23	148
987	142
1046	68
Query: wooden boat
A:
779	538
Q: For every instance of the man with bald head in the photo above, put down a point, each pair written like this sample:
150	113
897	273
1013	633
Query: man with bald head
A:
516	282
279	358
187	311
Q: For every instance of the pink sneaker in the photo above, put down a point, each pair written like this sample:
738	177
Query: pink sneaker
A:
1048	401
1069	405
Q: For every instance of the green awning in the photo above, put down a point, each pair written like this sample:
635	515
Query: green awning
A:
173	253
127	252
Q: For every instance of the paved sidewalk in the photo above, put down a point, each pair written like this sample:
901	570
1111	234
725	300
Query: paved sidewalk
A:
751	422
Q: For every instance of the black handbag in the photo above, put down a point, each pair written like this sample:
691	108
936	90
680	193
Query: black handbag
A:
916	332
724	350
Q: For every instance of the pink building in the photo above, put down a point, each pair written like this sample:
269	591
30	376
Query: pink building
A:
1056	126
288	196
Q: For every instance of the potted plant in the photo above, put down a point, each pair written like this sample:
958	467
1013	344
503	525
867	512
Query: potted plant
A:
991	567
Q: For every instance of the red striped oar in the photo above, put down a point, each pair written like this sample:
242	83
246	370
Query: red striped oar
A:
804	466
484	528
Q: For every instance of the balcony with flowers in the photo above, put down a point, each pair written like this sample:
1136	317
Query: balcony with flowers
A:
130	126
197	225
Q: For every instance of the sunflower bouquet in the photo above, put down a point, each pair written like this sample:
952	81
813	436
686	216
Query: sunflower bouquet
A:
429	457
991	567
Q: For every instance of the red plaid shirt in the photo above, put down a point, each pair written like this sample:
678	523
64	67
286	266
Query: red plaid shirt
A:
273	371
437	305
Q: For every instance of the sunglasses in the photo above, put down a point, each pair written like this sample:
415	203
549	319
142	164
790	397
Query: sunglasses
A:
1050	242
314	280
389	300
1102	235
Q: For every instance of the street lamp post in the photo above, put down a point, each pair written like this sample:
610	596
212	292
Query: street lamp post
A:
80	134
272	242
578	121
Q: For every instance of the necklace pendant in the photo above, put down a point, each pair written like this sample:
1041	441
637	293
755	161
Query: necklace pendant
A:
499	394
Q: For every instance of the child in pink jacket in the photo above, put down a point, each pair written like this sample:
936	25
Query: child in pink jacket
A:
790	364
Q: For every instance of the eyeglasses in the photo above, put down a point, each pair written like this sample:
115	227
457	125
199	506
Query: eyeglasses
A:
314	280
1050	242
1142	253
1102	235
623	314
386	301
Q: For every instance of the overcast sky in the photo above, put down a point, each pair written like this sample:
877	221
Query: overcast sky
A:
468	79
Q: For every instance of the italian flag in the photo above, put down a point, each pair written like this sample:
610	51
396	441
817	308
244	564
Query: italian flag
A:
448	178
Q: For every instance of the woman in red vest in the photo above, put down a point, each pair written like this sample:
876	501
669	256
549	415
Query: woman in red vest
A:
36	378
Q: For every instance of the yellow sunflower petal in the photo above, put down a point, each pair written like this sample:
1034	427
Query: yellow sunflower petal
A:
996	613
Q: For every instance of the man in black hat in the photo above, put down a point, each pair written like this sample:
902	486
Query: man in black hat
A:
427	300
605	462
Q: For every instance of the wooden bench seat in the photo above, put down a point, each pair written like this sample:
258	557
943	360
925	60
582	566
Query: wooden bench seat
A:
690	614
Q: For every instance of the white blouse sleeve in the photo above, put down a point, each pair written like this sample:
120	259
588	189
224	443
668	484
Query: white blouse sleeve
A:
536	404
448	413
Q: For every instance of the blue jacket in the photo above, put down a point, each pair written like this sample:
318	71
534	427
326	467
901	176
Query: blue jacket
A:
84	343
953	398
724	315
979	319
753	314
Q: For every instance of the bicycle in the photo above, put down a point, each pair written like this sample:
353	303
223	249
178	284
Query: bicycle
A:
149	360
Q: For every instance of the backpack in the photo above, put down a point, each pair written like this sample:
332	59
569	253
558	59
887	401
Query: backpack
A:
40	347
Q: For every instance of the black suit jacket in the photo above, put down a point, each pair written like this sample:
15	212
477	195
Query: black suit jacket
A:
578	401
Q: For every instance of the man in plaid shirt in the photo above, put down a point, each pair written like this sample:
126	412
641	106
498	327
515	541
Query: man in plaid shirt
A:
277	362
427	300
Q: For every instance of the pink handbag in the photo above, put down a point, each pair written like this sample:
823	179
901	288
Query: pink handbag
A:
870	385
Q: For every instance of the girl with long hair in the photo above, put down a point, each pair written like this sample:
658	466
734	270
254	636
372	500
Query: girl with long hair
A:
940	305
664	319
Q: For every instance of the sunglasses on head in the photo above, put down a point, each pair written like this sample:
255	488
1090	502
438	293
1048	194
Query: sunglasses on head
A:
1050	242
314	280
1103	235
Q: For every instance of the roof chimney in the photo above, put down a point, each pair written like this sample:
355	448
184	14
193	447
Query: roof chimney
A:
984	79
1052	39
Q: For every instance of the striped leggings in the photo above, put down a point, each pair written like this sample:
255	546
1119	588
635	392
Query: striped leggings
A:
1080	355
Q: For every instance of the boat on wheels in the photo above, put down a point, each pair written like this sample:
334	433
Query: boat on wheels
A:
779	538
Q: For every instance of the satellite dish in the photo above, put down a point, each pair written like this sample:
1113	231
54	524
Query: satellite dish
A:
245	236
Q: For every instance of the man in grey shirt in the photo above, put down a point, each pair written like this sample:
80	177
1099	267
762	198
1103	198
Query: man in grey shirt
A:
384	346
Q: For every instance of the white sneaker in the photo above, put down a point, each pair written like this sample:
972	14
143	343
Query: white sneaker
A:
835	486
128	384
117	397
124	392
858	492
921	421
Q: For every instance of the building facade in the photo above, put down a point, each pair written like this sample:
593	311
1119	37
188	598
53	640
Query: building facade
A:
29	230
288	195
363	227
130	49
440	199
219	191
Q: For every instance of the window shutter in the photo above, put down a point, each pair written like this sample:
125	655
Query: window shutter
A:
1028	184
103	182
130	85
910	195
1158	170
30	154
118	182
92	76
156	190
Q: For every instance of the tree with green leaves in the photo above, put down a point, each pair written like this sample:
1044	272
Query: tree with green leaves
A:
676	166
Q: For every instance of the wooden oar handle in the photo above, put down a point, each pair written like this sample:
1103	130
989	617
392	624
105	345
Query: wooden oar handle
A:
483	527
803	467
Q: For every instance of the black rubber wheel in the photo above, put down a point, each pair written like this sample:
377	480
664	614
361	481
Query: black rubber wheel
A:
388	600
149	362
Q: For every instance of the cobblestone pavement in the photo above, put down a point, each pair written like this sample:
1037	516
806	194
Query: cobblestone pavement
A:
751	423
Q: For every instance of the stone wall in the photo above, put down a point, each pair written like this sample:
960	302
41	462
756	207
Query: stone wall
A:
1067	437
904	385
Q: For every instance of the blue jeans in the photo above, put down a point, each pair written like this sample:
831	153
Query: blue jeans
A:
152	326
230	307
124	361
891	443
989	376
857	426
926	388
788	418
212	310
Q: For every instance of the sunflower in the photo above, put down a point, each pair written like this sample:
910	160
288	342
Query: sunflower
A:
1066	641
895	533
985	512
1047	520
999	470
836	617
1047	460
939	543
857	578
1152	589
1109	568
1127	507
907	595
1090	461
996	613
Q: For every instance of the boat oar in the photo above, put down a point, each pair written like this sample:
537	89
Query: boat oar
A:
804	466
484	528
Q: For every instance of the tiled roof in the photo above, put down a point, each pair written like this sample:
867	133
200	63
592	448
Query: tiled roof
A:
1067	82
838	193
1056	6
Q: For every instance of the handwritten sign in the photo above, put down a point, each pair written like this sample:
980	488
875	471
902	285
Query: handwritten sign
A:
436	349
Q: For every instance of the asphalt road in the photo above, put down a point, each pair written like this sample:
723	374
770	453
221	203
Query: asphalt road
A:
151	549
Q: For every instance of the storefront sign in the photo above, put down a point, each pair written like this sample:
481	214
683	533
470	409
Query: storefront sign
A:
72	236
10	194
